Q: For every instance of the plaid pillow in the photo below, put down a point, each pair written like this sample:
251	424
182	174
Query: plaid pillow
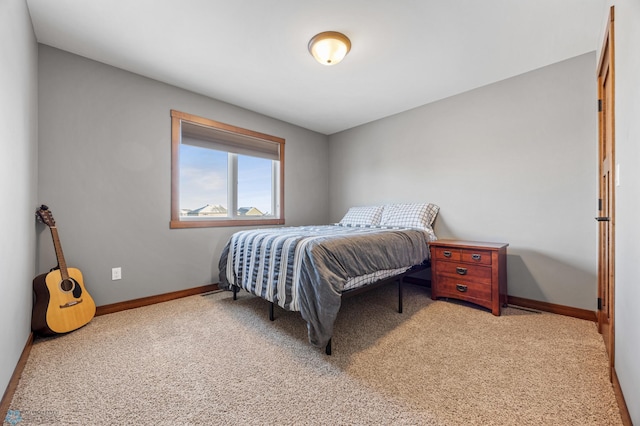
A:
419	216
369	215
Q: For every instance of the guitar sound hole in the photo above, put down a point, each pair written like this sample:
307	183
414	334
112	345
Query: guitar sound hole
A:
67	285
71	285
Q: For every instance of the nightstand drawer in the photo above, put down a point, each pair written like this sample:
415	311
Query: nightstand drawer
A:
480	257
447	254
461	289
465	271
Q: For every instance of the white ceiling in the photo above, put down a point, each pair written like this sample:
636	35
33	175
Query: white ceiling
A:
253	53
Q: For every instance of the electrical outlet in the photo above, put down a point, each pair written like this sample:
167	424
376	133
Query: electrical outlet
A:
116	274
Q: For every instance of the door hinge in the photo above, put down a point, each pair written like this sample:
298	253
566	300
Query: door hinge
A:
599	304
599	204
599	105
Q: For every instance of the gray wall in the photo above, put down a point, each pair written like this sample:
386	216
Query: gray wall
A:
18	170
511	162
627	226
105	162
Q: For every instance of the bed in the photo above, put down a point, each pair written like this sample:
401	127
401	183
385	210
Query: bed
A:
310	268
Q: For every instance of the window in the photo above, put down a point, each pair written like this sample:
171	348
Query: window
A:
222	175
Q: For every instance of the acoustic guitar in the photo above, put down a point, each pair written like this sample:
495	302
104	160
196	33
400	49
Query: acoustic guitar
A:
62	304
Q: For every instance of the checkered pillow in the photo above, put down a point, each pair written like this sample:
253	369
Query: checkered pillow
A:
419	216
369	215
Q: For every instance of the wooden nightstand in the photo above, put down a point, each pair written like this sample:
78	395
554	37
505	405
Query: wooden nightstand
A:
471	271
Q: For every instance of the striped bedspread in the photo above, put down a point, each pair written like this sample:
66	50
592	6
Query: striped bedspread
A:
306	268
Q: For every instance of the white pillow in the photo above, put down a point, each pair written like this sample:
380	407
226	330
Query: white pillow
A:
419	216
365	215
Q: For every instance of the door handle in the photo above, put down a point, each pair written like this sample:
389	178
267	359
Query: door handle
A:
603	219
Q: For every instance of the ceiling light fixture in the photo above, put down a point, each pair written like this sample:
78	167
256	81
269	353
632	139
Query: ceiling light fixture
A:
329	47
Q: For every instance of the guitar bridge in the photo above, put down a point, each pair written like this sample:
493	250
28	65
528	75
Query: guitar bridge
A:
69	304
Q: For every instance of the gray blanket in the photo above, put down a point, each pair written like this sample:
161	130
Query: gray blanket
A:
305	268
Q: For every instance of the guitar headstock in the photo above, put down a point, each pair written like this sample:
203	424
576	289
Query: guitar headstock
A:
43	214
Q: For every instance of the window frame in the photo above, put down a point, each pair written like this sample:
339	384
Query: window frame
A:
177	118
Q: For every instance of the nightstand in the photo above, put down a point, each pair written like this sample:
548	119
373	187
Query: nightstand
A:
469	270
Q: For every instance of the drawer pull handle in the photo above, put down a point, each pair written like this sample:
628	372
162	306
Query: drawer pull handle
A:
476	256
446	253
461	288
461	271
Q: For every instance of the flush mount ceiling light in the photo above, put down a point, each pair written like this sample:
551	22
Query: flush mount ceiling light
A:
329	47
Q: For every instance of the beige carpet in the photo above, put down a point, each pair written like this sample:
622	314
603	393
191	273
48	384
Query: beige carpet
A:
209	360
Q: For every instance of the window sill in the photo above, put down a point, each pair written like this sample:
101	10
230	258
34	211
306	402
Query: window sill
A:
181	224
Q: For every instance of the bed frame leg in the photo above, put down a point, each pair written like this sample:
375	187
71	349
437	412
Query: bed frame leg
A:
400	295
235	292
327	349
271	317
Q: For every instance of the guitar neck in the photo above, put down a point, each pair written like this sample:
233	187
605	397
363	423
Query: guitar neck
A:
56	244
